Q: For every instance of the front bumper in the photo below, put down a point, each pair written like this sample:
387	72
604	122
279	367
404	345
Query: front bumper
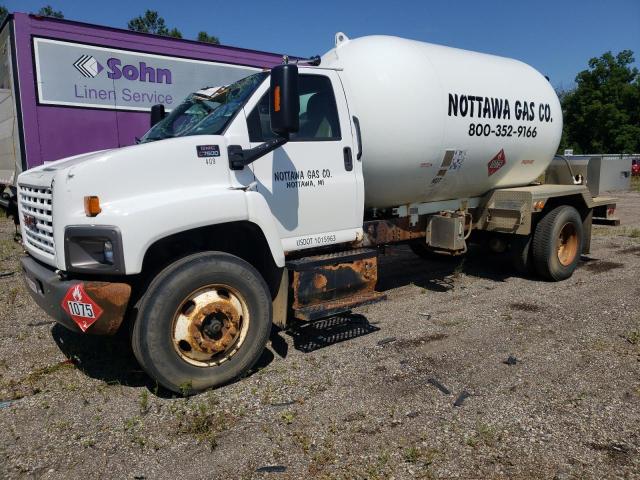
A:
50	293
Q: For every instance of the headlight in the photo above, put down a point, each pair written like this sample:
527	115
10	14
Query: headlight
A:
95	249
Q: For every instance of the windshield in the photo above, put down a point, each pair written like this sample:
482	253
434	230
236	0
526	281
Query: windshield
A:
202	115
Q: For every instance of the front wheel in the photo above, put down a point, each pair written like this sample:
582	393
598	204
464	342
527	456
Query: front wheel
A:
557	243
204	321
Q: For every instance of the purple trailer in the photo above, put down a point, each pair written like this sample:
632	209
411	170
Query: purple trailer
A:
68	88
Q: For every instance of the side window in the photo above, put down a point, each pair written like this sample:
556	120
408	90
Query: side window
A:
318	113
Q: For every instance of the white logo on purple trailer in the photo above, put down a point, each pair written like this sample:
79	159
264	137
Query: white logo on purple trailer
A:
88	66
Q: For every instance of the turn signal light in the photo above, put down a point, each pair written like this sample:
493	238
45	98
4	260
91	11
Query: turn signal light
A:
92	206
276	99
538	205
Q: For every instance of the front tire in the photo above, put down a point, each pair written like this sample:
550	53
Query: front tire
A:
557	243
203	322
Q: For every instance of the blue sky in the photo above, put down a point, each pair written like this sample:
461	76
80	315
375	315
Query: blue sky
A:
556	37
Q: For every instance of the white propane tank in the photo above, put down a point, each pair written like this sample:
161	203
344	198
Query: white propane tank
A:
440	123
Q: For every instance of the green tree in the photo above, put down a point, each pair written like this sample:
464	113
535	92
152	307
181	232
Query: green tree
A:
175	33
3	13
152	22
205	37
602	114
48	11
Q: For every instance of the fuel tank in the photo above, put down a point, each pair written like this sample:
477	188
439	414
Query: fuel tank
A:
440	123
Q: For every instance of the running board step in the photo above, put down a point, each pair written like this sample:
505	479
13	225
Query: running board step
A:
328	284
335	307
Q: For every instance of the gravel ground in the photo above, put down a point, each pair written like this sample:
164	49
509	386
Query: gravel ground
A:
378	394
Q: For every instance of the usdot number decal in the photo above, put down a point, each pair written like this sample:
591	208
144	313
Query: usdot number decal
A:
320	240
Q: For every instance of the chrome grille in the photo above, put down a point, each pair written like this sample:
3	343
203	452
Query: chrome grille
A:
36	214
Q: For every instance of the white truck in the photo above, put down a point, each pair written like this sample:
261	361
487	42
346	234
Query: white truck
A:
267	199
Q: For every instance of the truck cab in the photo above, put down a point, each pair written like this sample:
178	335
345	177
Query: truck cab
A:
109	233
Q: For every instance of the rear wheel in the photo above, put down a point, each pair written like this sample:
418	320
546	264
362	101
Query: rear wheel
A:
557	243
203	322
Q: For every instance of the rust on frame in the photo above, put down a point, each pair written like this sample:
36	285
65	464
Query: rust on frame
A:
381	232
331	277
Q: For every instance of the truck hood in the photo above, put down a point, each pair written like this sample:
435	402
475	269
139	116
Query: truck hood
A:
71	161
170	164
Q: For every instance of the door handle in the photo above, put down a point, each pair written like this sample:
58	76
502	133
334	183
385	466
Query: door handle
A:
348	160
356	122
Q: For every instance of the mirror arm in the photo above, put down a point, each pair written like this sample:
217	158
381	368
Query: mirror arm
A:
239	158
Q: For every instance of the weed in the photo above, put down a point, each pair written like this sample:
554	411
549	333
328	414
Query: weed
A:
204	423
48	370
633	337
484	434
377	469
303	440
88	442
7	248
634	233
131	423
139	440
144	402
323	457
186	388
12	295
599	345
288	417
425	456
412	454
471	441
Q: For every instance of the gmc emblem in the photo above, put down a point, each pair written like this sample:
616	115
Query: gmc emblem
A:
29	221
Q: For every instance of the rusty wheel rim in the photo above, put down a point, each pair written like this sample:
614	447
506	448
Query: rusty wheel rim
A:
567	244
210	325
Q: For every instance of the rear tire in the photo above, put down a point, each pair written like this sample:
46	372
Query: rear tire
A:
557	243
203	322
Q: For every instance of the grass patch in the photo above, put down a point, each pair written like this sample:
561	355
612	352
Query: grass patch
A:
635	183
484	434
634	233
633	337
144	402
288	417
204	422
8	248
420	455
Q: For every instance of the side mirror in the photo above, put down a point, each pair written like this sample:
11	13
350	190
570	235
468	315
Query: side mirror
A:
157	113
284	102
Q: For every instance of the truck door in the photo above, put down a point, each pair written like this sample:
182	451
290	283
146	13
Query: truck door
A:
310	183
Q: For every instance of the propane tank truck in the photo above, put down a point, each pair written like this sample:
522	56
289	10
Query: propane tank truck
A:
268	199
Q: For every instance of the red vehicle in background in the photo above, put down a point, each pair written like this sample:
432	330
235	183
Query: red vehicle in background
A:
635	167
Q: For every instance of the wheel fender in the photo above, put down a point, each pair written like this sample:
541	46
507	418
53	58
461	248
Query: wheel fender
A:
260	214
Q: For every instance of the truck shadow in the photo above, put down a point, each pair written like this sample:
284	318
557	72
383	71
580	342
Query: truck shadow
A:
399	266
312	336
111	360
